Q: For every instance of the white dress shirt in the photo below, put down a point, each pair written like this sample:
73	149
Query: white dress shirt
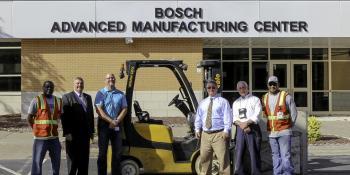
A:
221	115
246	108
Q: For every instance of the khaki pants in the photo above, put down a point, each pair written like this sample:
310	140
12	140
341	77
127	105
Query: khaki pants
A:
214	143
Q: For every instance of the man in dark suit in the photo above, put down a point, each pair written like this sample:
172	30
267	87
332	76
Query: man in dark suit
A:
78	128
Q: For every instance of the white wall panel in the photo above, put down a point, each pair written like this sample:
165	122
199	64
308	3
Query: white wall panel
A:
344	27
34	19
6	19
322	17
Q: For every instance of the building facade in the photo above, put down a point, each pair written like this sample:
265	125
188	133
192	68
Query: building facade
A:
305	43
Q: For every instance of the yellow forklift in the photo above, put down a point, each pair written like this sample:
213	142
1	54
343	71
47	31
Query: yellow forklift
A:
148	144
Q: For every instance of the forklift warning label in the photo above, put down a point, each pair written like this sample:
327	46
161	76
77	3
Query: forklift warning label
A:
178	20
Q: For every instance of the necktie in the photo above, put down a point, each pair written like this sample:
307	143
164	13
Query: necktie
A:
82	99
208	124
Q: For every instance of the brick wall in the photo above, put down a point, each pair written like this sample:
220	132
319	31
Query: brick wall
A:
62	60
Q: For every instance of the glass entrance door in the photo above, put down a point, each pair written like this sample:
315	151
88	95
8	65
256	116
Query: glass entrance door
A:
294	77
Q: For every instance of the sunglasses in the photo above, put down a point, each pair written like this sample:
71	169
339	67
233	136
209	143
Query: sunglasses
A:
211	87
272	84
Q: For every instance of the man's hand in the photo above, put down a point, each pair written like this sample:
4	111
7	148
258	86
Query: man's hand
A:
92	138
198	135
69	137
243	125
30	120
226	136
113	124
247	130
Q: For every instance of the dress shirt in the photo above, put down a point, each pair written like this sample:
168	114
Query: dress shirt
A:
81	97
251	104
290	104
111	101
221	115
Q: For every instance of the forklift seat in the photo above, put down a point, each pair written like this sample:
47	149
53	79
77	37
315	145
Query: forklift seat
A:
143	116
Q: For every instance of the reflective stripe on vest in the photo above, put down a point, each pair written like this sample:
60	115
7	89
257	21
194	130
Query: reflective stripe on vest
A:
270	117
46	122
42	103
282	98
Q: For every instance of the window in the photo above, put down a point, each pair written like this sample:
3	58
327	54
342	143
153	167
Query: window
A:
10	67
10	61
230	96
234	72
320	101
260	75
260	54
340	75
319	54
319	76
235	53
211	54
290	53
340	101
341	54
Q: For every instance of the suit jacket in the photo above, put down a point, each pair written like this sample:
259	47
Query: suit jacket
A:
75	120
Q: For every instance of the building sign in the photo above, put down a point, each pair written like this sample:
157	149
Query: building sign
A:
119	19
170	20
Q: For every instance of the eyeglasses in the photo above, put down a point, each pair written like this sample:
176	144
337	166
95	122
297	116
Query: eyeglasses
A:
272	84
110	78
211	87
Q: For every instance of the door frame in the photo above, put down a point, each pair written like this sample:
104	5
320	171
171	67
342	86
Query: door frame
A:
290	77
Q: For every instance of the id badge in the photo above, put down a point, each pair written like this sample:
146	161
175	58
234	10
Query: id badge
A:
280	115
242	113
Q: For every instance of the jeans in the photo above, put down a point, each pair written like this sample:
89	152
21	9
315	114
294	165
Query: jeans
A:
105	134
281	155
39	150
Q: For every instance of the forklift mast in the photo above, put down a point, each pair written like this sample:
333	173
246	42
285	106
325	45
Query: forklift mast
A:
212	71
176	66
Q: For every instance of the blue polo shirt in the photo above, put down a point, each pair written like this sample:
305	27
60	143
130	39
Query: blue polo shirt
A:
112	102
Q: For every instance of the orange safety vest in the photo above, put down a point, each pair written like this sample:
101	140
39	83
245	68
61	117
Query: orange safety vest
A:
45	122
279	119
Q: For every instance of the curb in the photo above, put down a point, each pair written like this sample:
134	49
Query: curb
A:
333	118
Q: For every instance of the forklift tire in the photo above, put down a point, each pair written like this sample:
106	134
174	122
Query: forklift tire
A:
196	168
214	168
129	167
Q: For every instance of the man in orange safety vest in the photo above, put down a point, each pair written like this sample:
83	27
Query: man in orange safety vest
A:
43	114
280	110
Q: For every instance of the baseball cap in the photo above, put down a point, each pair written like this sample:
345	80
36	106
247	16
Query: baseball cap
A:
273	79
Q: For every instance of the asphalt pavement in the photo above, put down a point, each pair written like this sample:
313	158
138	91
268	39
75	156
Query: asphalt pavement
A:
16	151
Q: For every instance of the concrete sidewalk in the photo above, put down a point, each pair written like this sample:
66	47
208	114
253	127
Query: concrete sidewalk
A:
337	126
331	158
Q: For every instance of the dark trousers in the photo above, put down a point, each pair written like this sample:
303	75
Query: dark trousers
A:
78	151
40	148
251	141
105	134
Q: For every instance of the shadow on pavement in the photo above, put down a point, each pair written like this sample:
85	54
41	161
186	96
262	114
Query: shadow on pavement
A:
329	165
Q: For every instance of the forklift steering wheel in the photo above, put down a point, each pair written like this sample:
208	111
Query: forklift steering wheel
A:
174	100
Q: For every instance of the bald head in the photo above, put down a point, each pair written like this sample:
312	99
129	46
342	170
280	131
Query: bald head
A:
110	81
